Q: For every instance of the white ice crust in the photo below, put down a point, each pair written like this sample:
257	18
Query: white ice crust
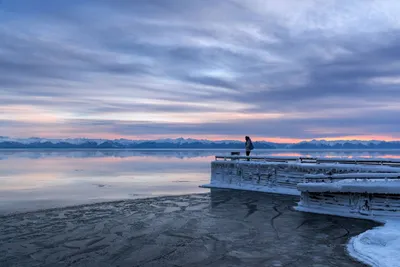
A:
389	186
378	247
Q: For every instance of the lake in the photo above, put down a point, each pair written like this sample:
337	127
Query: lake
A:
165	219
37	179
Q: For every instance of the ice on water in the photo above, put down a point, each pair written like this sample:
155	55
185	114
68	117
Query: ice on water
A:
378	247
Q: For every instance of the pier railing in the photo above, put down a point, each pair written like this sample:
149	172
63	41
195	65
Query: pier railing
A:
364	161
368	176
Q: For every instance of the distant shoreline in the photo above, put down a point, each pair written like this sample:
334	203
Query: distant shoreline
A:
198	149
189	144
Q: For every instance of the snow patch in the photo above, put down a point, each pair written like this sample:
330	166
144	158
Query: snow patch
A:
377	186
354	175
378	247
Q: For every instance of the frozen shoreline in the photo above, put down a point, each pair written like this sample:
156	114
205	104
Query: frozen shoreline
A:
64	205
235	228
375	247
378	247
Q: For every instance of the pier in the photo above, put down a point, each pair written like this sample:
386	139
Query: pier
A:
349	187
358	161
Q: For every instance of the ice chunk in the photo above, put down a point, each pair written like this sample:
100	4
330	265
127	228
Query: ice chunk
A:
378	247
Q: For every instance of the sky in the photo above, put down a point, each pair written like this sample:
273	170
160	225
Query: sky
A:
284	70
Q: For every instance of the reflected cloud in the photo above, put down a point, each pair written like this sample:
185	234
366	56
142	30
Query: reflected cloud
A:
84	176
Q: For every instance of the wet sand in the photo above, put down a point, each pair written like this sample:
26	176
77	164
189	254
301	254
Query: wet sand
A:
224	228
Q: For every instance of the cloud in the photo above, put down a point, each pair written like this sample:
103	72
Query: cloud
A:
314	68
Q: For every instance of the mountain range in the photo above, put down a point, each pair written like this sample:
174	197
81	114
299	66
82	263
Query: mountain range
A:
182	143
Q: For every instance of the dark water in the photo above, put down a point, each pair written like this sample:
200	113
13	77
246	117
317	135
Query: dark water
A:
224	228
217	228
43	179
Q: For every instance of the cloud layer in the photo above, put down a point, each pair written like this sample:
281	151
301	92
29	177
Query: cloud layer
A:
271	69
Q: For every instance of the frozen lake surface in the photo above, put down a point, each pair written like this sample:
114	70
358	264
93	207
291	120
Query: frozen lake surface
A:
179	225
224	228
35	179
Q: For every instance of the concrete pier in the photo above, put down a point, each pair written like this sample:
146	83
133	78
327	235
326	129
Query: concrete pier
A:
352	188
282	174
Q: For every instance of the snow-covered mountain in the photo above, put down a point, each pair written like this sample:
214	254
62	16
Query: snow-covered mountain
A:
35	142
340	142
346	144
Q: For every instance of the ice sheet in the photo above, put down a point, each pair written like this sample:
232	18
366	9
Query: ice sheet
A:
378	247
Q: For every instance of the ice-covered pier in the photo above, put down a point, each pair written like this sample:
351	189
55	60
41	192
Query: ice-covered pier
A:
349	187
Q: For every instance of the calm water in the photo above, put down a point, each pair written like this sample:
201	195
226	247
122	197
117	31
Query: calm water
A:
42	179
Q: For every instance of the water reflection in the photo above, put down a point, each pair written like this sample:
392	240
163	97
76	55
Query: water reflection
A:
191	154
46	178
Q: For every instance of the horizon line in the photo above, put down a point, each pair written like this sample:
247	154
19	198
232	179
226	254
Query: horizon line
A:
274	140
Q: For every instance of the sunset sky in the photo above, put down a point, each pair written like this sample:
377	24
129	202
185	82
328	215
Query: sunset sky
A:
282	71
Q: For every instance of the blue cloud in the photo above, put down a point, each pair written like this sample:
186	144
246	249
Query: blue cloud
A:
322	67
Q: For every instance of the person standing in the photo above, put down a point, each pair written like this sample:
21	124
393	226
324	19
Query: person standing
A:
249	145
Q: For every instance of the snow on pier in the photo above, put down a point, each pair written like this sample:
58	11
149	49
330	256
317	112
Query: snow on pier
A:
282	174
352	198
363	161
